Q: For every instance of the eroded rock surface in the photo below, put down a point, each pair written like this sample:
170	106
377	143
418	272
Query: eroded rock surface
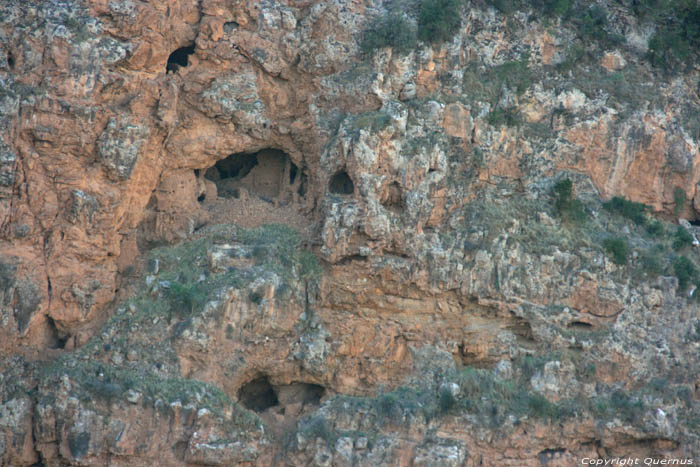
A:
230	237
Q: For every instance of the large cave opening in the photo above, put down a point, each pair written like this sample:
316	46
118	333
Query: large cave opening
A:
268	174
284	400
179	58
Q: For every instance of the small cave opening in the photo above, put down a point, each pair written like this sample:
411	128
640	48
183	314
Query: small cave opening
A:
59	341
10	60
258	395
695	222
268	174
580	325
230	26
302	394
392	198
341	184
179	58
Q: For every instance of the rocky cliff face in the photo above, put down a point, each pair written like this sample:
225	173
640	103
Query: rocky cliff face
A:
230	236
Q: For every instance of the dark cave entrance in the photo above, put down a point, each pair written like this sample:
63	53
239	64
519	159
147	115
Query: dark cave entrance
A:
258	395
291	399
268	174
341	184
10	60
179	59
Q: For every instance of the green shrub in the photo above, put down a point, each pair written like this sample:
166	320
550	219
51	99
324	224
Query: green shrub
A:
629	209
438	20
655	228
677	38
509	116
446	400
567	206
679	200
681	238
514	74
617	249
685	271
392	30
185	298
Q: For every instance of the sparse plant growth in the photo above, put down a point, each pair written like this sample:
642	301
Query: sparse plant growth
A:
438	20
509	116
677	37
392	30
655	228
685	271
681	238
636	212
617	249
679	200
567	206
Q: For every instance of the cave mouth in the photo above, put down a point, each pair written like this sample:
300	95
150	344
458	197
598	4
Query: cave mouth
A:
291	399
268	174
341	184
258	395
179	59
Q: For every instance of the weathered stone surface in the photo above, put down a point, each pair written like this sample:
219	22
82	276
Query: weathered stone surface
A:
434	220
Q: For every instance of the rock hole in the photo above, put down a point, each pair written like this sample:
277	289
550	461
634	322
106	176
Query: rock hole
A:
230	27
179	59
341	184
202	197
292	173
351	259
580	325
695	222
299	394
392	198
10	60
258	395
548	455
58	341
197	172
521	328
301	191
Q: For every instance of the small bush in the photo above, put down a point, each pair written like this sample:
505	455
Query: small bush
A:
629	209
446	401
685	271
617	249
438	20
681	238
185	298
392	30
655	228
677	37
679	200
509	116
567	206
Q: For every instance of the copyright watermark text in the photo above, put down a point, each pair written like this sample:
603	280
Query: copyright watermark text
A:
620	461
